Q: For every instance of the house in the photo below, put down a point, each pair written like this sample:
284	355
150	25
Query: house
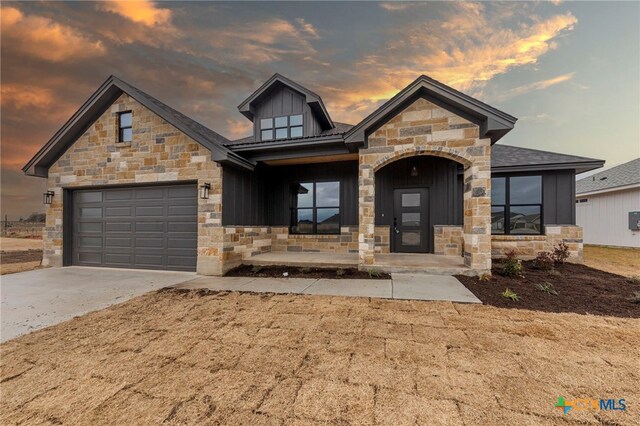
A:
608	206
419	184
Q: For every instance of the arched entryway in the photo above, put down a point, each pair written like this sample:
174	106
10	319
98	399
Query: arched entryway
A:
414	197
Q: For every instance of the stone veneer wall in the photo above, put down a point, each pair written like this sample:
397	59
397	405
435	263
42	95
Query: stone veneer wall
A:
528	246
346	242
158	153
383	239
241	242
424	128
448	240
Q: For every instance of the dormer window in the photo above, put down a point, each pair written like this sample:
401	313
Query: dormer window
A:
284	127
125	122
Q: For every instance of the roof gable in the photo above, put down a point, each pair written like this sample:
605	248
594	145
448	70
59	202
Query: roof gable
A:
493	122
102	99
311	98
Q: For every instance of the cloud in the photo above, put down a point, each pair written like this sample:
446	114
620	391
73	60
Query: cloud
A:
396	6
23	96
238	128
538	85
43	38
144	12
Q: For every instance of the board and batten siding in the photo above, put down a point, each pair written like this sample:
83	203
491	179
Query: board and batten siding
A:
605	218
284	101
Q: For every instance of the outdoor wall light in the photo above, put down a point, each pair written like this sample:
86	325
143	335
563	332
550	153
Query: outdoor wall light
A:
204	190
47	197
414	170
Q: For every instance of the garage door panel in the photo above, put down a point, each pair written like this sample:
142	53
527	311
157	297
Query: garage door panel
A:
137	227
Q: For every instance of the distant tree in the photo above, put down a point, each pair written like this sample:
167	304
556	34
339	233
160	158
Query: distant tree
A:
37	217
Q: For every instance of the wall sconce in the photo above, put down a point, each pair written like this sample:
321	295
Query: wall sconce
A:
204	190
47	197
414	170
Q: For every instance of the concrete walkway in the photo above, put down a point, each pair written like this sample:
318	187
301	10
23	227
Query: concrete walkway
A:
400	286
36	299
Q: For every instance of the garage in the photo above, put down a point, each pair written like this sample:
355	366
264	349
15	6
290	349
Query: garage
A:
145	227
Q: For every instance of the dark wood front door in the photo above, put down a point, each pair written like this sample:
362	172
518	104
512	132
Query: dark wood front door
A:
410	220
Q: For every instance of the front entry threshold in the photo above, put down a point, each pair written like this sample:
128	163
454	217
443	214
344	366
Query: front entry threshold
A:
425	263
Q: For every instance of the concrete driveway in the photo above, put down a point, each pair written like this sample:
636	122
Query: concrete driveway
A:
37	299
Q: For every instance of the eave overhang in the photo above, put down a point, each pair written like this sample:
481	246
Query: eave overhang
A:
609	190
97	104
578	167
287	149
493	123
314	101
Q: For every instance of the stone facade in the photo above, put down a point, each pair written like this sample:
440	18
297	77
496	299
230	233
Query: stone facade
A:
346	242
158	153
424	128
383	239
241	242
448	240
528	246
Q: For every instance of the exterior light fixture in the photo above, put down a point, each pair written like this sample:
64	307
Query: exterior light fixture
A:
414	170
47	197
204	190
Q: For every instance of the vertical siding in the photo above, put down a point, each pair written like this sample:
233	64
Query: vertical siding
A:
605	218
264	196
284	101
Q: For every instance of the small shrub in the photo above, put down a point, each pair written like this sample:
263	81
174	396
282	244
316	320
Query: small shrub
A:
561	253
512	266
256	269
485	277
373	273
635	279
340	272
547	288
636	297
510	295
305	270
544	260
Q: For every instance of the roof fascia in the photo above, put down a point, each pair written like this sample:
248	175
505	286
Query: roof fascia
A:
579	167
607	190
301	149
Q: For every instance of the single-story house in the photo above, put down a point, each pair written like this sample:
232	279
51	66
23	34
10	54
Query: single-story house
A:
608	206
134	183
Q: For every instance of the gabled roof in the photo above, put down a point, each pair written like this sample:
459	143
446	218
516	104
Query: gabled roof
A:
507	158
493	122
623	176
100	101
311	98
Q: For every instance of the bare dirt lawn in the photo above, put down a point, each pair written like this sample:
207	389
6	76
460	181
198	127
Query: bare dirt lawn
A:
621	261
194	357
19	254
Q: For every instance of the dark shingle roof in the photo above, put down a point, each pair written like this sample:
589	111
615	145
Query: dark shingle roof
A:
622	175
507	156
339	129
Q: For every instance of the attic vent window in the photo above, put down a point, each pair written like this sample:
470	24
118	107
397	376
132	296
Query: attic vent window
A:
125	130
284	127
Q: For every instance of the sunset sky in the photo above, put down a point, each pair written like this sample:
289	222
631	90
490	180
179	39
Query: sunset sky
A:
569	71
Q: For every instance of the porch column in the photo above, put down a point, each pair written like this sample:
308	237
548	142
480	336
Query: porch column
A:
477	210
366	212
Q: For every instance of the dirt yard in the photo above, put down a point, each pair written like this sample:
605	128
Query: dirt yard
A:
621	261
192	357
571	288
19	254
277	271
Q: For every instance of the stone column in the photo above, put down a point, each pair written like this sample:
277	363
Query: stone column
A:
210	230
366	213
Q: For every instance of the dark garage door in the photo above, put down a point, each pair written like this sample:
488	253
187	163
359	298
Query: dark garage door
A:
153	227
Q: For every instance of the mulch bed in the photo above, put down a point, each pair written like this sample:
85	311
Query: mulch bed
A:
277	271
20	256
580	289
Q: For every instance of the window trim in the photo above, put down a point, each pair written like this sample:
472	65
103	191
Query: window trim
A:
121	127
507	204
314	207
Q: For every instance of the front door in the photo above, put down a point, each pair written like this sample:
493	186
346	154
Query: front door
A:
410	220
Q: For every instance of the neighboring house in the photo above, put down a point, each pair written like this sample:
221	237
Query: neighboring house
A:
135	183
608	206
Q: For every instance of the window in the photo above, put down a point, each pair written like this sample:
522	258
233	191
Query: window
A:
316	208
284	127
125	121
516	205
